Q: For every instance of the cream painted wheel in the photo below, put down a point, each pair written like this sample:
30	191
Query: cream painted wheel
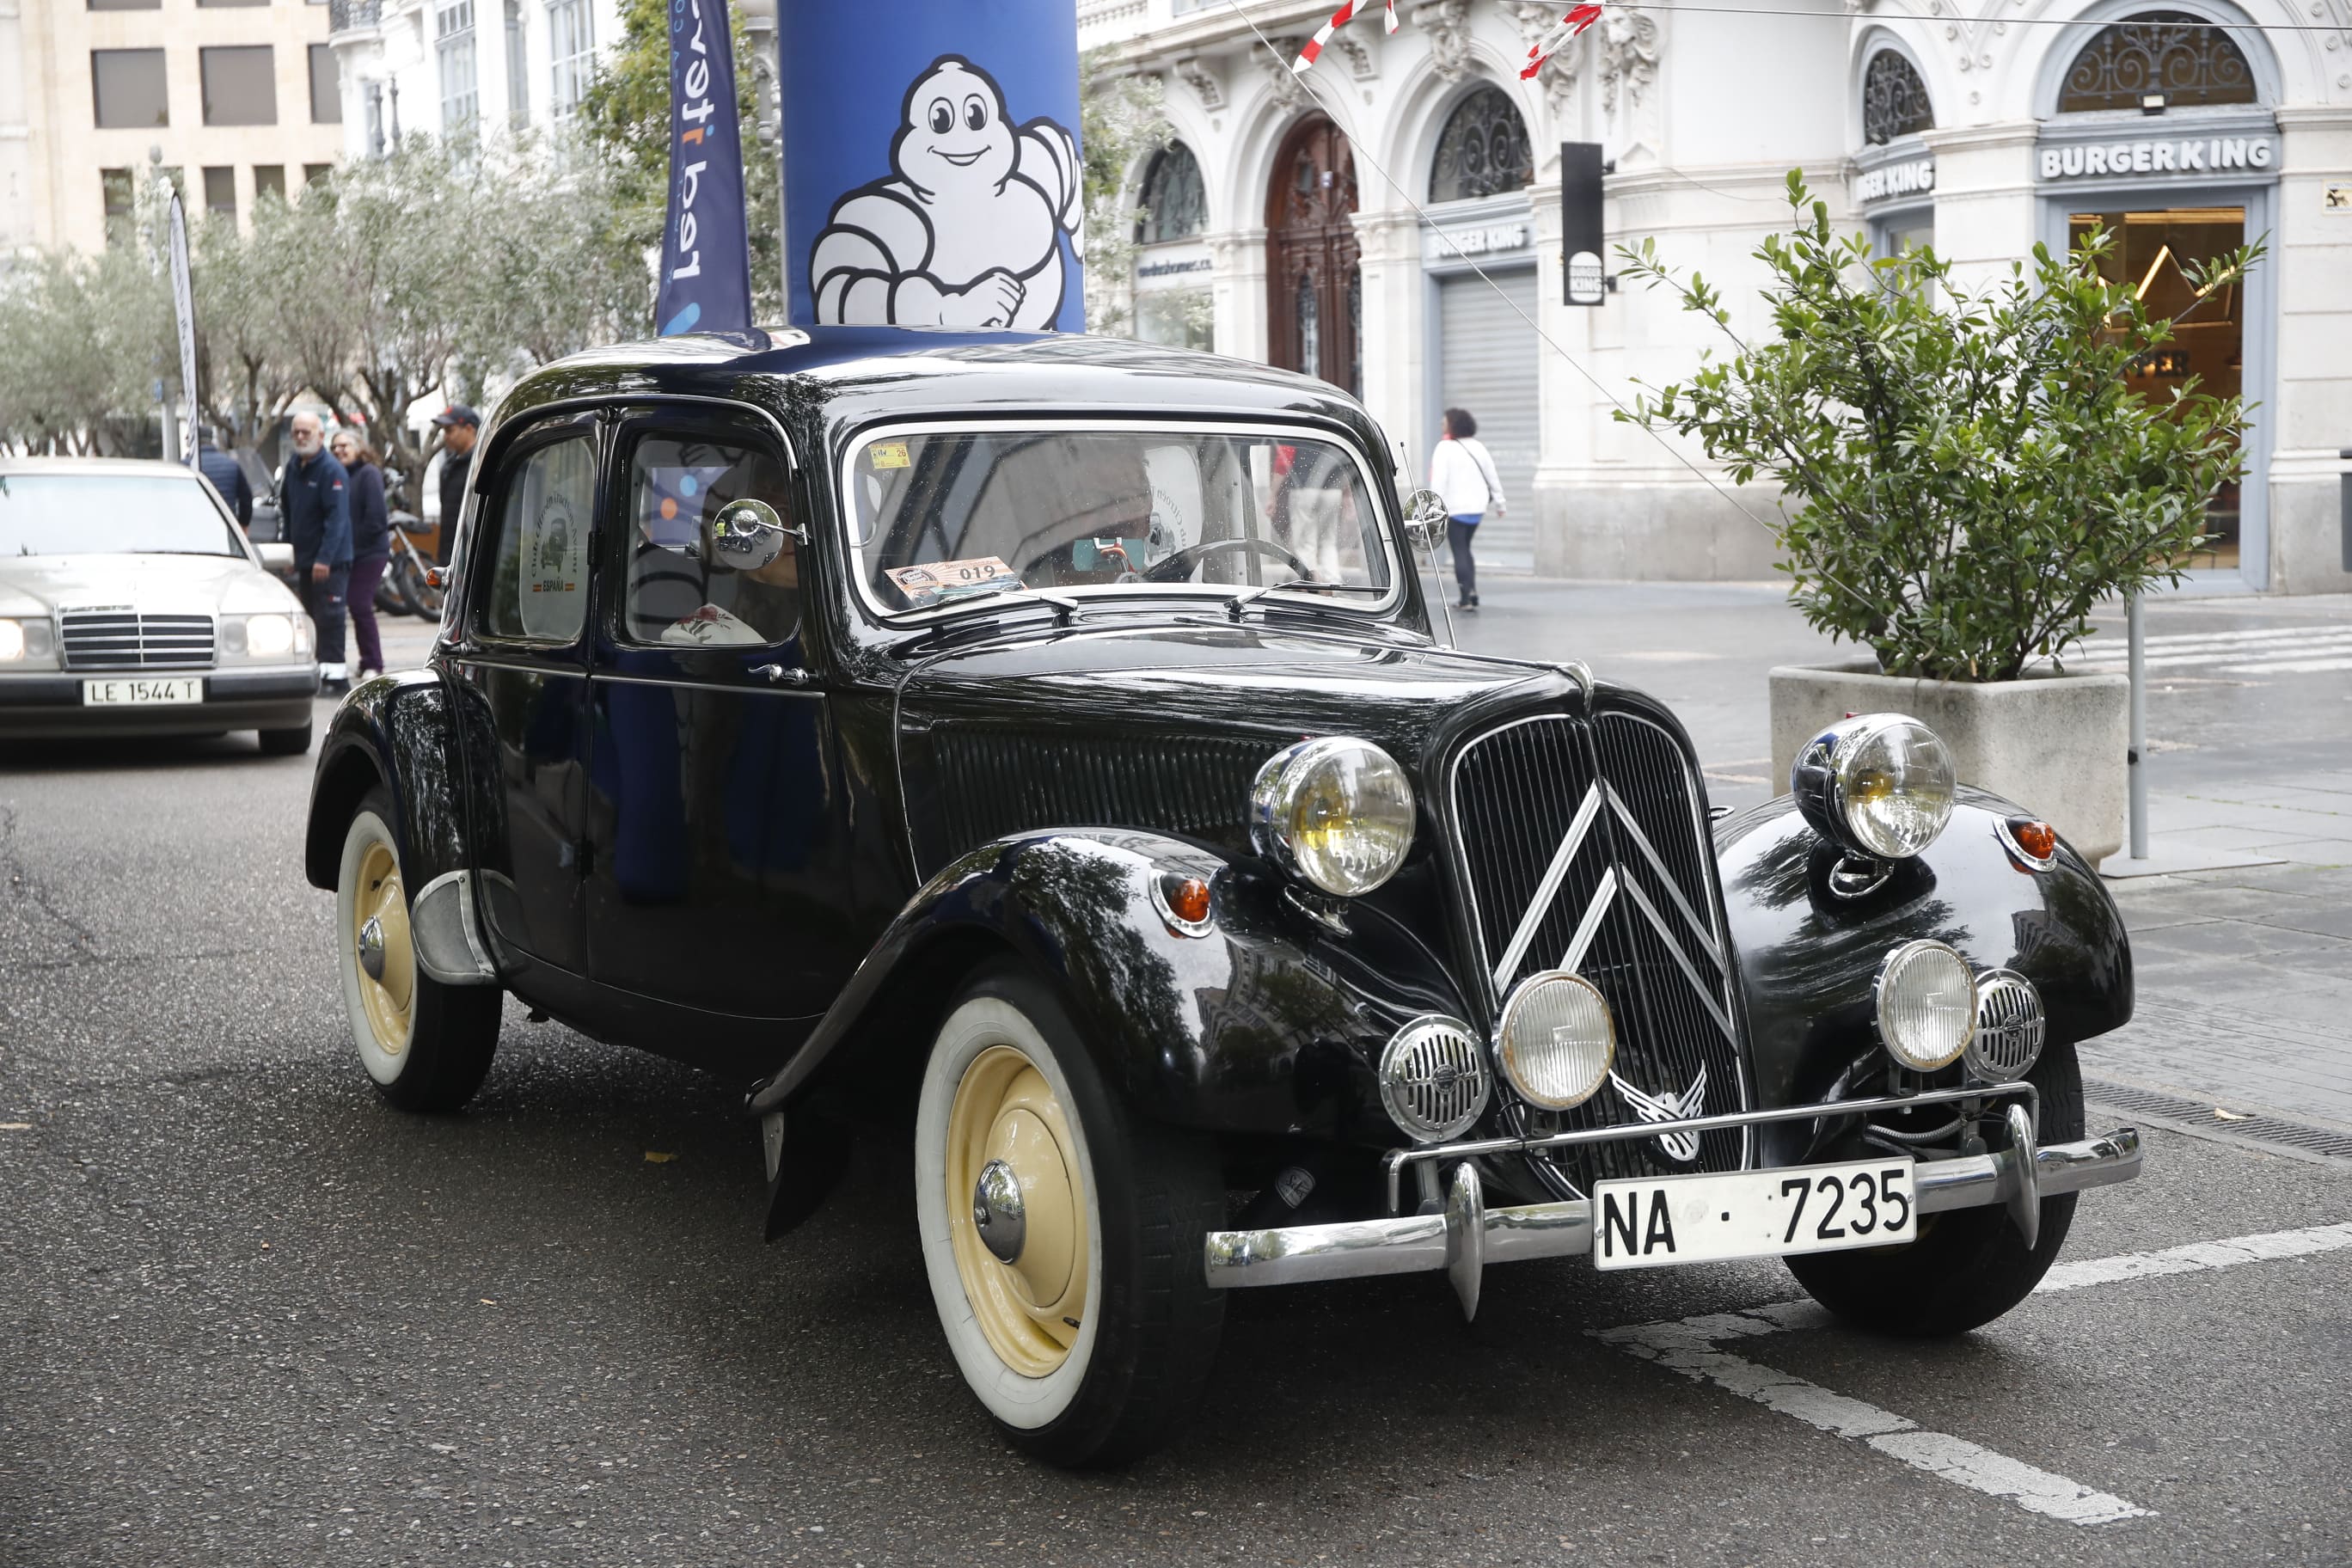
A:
379	961
426	1045
1063	1231
994	1092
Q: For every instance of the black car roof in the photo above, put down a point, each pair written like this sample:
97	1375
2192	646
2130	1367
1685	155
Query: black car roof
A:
862	373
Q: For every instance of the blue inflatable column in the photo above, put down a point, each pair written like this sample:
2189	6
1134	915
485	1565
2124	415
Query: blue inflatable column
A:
931	171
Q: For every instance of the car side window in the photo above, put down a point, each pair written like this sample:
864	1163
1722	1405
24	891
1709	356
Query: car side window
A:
711	561
539	573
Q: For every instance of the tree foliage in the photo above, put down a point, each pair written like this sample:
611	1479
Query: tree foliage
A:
1122	117
1965	471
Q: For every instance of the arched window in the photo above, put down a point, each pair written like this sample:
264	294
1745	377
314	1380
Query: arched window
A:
2185	59
1894	100
1175	204
1483	151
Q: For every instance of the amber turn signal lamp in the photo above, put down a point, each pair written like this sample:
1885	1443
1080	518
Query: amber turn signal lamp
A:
1188	900
2032	843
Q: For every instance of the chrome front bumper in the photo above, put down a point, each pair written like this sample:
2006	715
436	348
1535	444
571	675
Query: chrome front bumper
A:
1467	1235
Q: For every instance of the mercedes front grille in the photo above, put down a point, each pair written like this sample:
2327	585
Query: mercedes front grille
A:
100	641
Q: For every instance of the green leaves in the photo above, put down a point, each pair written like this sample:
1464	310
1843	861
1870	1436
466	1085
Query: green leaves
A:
1964	471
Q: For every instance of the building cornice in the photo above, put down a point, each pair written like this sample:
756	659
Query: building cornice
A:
1975	138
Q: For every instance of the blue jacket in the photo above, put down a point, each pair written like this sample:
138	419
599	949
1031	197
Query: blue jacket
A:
228	477
318	500
370	519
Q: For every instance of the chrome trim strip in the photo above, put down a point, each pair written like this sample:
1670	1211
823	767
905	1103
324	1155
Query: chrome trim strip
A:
1395	1159
594	674
1587	812
1590	926
1665	877
1682	960
1413	1243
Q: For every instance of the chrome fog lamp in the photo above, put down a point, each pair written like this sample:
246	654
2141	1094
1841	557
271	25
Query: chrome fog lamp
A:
1557	1041
1336	811
1926	1001
1877	785
2010	1026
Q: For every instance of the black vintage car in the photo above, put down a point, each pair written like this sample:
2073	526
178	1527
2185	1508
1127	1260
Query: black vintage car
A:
1038	748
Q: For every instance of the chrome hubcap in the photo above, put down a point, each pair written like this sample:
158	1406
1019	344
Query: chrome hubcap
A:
371	945
996	1212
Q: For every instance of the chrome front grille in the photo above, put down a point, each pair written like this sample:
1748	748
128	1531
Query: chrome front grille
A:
118	640
1582	845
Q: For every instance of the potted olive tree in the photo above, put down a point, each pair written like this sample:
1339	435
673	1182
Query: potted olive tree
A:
1965	474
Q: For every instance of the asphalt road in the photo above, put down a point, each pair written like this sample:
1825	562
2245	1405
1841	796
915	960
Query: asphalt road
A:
250	1315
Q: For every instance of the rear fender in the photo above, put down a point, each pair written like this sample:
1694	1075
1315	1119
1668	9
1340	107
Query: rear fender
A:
1808	959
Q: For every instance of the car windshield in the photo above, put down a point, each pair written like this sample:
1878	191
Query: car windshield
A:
110	514
940	516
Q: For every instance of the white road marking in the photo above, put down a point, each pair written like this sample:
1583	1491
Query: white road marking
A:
1693	1347
2293	667
2276	651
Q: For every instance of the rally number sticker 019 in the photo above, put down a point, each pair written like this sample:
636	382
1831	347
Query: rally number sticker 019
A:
1753	1214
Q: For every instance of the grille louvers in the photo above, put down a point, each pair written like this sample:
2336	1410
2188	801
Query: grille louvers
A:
117	640
995	781
1583	847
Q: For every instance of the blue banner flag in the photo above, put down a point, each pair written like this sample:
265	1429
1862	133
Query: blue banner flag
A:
706	264
931	171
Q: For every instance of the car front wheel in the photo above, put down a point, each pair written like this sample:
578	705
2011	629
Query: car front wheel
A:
1968	1265
427	1046
1063	1235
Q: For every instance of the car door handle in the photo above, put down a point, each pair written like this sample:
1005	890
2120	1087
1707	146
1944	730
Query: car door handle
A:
778	676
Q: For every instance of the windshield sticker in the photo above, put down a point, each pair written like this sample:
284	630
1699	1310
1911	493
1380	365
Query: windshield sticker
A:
887	453
941	581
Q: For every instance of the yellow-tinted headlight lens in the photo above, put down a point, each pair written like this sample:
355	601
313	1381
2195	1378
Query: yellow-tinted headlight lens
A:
1336	811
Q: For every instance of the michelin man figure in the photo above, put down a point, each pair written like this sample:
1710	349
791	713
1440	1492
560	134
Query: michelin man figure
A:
965	230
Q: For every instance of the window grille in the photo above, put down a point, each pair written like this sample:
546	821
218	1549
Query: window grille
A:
2185	59
1894	100
1483	151
1175	203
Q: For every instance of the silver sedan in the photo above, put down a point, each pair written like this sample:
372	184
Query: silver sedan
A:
131	603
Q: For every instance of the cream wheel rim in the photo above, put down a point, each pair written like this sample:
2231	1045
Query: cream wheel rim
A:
1005	1115
382	953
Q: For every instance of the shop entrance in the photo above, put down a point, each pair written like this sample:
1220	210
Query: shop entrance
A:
2151	251
1315	290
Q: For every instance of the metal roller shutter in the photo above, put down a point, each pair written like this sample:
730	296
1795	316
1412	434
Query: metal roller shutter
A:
1487	365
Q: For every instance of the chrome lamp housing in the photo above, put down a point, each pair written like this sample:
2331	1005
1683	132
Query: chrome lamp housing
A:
1336	812
1877	785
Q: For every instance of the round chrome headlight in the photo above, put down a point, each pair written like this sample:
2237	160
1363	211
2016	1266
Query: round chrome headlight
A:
1558	1041
1878	785
1336	811
1927	998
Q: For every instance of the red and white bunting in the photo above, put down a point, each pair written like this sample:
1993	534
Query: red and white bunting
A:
1561	32
1340	18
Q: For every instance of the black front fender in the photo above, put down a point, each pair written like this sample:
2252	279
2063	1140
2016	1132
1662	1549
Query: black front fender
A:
1807	958
392	730
1269	1023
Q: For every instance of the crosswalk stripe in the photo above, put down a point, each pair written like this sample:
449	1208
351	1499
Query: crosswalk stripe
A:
2269	660
2266	633
2293	667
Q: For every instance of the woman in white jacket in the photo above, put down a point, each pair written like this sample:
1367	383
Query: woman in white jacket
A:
1461	472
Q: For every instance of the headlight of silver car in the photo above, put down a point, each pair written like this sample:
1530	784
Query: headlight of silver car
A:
264	639
1927	998
1878	785
1336	811
28	641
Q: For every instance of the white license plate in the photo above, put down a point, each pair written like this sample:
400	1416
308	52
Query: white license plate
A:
128	693
1752	1214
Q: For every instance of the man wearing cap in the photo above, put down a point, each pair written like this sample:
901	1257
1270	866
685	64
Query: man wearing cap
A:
458	425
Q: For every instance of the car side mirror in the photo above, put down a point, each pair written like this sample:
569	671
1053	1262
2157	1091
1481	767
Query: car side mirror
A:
276	557
1424	518
745	536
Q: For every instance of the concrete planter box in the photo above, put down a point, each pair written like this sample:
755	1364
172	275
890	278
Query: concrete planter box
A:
2054	745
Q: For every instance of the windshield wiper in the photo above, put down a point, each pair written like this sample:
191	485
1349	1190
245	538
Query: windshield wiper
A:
1248	596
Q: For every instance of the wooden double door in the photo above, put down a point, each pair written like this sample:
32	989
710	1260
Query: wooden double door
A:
1315	317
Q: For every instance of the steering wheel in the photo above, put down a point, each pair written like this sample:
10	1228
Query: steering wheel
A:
1181	564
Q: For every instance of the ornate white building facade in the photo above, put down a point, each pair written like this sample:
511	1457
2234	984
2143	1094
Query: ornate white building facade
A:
1396	229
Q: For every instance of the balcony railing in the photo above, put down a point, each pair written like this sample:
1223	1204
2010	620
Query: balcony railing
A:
344	15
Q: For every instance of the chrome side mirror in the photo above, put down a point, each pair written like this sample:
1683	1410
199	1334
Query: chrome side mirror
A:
276	557
746	536
1425	517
